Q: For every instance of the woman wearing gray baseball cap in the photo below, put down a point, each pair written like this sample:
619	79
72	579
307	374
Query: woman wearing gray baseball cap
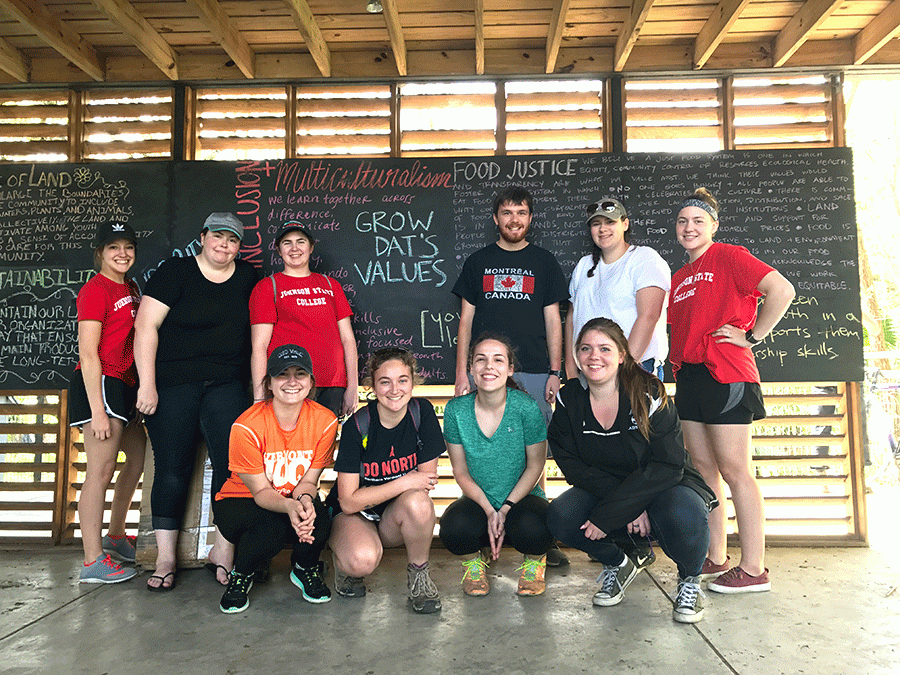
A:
192	350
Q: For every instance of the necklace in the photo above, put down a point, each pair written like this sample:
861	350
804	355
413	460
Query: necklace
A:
697	271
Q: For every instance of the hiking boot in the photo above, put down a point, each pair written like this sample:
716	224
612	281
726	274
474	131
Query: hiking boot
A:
105	570
311	582
613	582
475	581
120	548
737	580
237	595
555	557
711	571
688	601
347	586
531	582
423	594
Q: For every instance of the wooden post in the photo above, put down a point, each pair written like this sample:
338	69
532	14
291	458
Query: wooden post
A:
64	491
854	448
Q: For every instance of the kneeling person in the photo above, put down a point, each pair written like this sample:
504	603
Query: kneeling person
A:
277	451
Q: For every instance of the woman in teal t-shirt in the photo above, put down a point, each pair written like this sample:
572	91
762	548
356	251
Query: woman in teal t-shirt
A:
497	442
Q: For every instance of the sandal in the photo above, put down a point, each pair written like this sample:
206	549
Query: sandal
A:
213	569
162	588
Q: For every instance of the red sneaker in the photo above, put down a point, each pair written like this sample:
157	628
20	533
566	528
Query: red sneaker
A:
710	570
737	580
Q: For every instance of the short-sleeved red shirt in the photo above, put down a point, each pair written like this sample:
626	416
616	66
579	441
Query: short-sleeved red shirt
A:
114	305
306	312
716	289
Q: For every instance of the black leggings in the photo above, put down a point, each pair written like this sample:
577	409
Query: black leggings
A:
259	534
464	527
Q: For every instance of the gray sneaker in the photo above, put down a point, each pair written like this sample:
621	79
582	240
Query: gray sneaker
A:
423	594
121	548
105	570
613	582
347	586
688	601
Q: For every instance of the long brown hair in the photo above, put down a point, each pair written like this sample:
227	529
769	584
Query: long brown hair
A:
639	385
510	354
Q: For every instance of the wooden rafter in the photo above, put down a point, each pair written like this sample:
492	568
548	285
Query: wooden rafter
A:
145	38
223	29
879	32
312	36
555	33
630	32
395	31
13	61
479	37
56	34
797	31
716	28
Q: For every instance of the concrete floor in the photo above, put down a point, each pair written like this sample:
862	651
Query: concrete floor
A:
830	611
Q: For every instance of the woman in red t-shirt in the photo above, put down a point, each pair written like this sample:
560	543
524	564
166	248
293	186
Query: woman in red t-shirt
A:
713	312
102	394
309	309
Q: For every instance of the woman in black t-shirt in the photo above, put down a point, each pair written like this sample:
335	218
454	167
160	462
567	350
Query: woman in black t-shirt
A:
617	439
192	350
386	466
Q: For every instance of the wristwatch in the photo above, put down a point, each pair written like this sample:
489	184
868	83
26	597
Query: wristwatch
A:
749	337
558	373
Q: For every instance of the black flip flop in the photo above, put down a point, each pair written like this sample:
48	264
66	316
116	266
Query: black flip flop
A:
213	569
161	588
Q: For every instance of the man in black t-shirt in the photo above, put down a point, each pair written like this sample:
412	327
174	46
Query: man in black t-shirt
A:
514	288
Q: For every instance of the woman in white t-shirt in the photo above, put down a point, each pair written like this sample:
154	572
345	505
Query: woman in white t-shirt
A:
622	282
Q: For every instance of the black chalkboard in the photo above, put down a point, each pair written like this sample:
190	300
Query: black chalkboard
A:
395	232
48	216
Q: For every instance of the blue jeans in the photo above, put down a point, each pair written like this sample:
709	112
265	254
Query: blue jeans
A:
184	412
677	521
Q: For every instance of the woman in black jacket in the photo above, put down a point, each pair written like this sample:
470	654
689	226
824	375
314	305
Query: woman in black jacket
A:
617	439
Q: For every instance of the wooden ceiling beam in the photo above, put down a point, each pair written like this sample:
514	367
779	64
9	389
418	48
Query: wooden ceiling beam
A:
13	61
555	33
716	28
56	34
154	47
227	35
479	37
797	31
395	31
312	36
880	30
630	32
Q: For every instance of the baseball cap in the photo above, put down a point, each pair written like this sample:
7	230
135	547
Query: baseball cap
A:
287	228
110	231
286	356
219	221
609	207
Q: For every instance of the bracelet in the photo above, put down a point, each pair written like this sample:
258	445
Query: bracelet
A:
507	503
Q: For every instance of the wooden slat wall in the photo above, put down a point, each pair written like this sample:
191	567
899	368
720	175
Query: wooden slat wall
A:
673	115
241	123
127	124
34	126
343	120
430	120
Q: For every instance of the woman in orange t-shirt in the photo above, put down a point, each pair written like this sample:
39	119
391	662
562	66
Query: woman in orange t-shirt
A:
277	451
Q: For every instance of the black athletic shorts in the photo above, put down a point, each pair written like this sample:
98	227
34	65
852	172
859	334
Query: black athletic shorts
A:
700	398
118	400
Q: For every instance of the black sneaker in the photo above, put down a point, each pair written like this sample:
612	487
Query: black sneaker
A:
613	582
423	594
688	601
237	595
311	582
555	557
642	556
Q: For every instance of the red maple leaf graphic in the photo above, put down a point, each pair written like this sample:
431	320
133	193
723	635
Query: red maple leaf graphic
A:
509	282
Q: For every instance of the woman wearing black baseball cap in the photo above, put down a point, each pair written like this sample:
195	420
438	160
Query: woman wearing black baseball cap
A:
277	452
303	307
102	394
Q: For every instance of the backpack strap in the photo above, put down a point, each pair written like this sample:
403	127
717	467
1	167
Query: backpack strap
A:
362	418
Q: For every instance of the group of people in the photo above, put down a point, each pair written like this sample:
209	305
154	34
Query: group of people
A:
208	331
